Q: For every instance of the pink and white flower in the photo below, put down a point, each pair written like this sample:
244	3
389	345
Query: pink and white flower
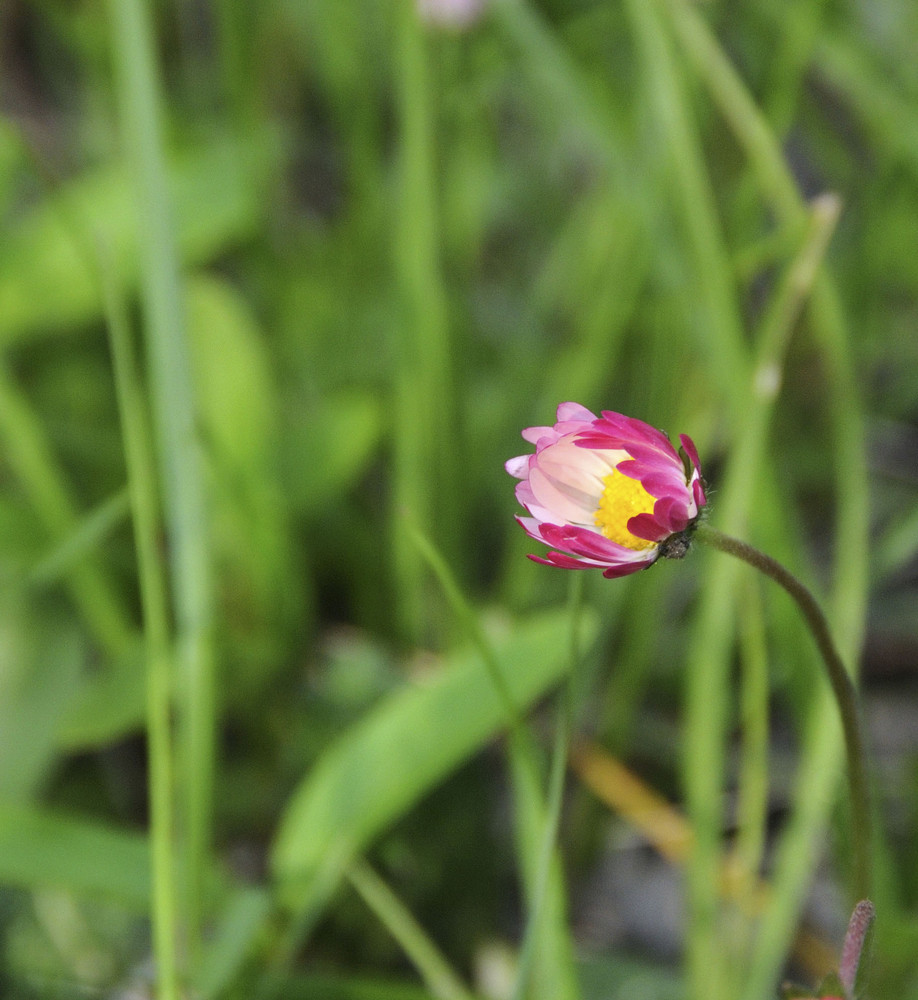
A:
455	14
607	492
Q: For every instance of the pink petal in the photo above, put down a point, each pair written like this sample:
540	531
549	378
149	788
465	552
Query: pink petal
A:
689	445
672	514
518	467
633	430
658	481
614	572
698	492
587	542
534	434
562	561
574	411
647	527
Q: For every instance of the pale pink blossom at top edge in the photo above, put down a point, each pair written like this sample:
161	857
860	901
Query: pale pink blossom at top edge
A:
561	485
450	14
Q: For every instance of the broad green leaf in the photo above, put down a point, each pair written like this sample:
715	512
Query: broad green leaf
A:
40	663
243	916
404	748
233	382
107	706
41	849
250	531
330	445
47	263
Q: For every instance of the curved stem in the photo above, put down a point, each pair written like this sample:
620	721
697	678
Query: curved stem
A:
842	687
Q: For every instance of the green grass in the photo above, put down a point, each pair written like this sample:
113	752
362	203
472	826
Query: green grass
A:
282	703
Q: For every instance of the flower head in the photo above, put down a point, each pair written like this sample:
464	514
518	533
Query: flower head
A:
606	492
456	14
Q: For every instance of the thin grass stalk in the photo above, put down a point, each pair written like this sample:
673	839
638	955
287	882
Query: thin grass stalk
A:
777	182
560	752
180	471
801	842
629	678
842	687
138	451
29	454
723	341
706	697
706	700
438	975
802	25
880	100
708	659
735	103
535	824
89	532
424	391
752	804
553	975
559	83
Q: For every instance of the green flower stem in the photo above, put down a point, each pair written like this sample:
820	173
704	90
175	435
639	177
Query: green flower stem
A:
839	678
765	155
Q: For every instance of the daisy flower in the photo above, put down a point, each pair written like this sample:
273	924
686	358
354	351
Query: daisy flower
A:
607	492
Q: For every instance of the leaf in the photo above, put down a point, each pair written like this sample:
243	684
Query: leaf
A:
405	747
242	919
107	706
47	276
250	528
39	848
233	381
330	446
39	672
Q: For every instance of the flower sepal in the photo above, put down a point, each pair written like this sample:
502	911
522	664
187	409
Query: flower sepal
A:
677	546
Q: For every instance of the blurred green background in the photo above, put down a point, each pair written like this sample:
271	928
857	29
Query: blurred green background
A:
280	284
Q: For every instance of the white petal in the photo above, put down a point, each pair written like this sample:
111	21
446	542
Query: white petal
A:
518	467
568	480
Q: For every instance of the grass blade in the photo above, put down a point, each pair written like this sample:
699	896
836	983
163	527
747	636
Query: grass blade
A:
179	459
159	668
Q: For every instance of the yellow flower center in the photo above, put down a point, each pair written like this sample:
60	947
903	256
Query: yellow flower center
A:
622	499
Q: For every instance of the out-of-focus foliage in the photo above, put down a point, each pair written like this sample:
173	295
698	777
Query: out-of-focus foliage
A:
398	244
